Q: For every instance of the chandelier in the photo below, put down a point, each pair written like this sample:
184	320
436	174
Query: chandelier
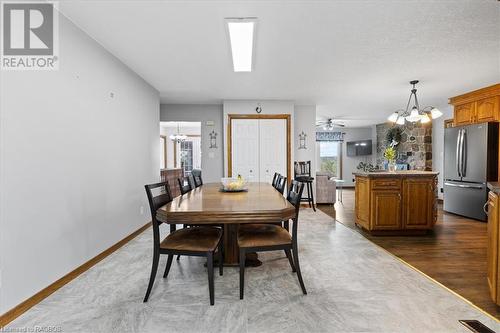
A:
414	114
178	137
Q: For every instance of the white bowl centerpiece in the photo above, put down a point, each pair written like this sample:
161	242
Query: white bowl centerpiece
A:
234	184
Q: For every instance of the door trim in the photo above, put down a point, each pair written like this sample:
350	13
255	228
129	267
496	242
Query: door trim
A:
287	117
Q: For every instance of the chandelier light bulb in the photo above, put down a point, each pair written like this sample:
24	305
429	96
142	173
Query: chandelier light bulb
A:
425	118
435	113
393	117
400	121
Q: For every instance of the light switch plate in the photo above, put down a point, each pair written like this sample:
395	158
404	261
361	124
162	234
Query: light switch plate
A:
210	123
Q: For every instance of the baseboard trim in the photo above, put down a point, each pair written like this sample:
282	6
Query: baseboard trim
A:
44	293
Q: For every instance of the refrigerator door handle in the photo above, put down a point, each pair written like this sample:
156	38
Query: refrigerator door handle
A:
463	169
457	157
476	187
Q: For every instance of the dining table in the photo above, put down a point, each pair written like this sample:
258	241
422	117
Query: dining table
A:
210	205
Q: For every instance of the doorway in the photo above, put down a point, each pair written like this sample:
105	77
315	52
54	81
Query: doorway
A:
180	145
258	146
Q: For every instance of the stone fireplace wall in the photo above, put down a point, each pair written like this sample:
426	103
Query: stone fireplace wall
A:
415	148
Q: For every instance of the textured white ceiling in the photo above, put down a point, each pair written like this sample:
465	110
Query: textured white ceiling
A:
351	58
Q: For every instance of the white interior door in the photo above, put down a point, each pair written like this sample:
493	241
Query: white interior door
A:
245	148
272	148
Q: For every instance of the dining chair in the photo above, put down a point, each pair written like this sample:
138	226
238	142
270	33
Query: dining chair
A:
281	184
194	241
196	173
184	188
275	179
302	173
271	237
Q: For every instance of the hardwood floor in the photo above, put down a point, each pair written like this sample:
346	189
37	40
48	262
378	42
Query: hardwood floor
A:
453	254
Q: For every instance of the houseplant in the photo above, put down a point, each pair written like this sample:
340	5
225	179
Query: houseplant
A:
390	156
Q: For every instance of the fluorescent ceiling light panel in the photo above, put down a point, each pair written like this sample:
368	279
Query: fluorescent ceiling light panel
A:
241	35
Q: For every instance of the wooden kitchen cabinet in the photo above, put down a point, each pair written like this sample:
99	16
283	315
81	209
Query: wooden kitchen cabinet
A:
487	109
493	247
386	212
362	195
464	114
478	106
418	206
397	203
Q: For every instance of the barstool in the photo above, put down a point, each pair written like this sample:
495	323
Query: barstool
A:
303	175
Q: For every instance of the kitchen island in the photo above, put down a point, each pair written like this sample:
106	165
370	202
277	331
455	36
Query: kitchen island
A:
396	203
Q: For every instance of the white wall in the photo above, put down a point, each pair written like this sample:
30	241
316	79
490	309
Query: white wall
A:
305	120
248	107
73	163
438	144
211	158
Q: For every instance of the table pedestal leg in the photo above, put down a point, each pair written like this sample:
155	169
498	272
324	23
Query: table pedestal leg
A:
231	249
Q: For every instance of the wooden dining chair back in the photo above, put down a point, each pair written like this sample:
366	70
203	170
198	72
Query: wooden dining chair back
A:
294	194
281	184
198	181
196	174
272	237
194	241
275	179
184	185
302	170
159	195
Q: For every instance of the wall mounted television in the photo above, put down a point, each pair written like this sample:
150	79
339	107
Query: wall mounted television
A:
359	148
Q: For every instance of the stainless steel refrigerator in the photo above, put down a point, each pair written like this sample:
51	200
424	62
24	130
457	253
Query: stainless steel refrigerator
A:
470	160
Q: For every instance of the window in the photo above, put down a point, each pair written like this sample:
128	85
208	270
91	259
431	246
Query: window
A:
188	154
330	157
186	157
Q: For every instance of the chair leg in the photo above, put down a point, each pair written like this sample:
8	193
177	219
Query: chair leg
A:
242	271
221	257
308	195
297	267
169	263
179	256
312	196
154	269
290	260
210	267
286	225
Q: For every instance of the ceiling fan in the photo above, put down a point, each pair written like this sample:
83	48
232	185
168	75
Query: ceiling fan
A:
329	124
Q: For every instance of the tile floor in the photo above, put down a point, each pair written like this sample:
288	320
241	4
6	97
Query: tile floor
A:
353	286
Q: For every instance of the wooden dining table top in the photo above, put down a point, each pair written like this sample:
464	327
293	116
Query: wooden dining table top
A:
208	205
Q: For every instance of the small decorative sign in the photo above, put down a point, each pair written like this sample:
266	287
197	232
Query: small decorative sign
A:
213	139
302	140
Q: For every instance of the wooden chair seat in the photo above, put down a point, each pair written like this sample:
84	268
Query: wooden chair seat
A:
304	179
257	235
196	239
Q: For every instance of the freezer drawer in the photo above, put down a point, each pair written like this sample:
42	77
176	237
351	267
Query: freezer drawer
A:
466	199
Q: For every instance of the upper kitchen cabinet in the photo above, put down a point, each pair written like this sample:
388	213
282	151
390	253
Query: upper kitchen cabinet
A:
477	106
464	114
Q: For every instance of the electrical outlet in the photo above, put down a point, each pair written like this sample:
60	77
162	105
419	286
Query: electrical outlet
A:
442	190
141	210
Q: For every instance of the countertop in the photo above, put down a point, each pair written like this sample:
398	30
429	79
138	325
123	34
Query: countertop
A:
406	173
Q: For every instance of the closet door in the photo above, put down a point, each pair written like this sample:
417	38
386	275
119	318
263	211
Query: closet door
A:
272	134
245	148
